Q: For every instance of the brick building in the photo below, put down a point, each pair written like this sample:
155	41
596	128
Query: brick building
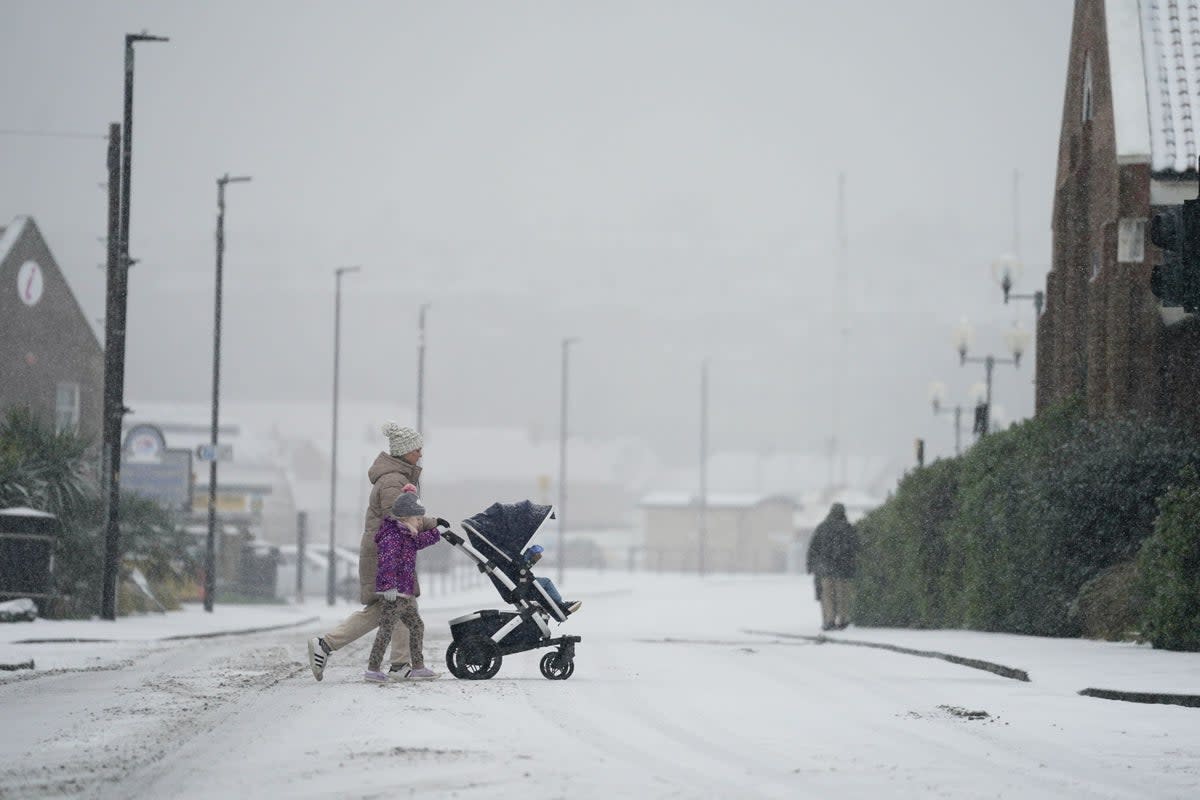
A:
50	359
1128	147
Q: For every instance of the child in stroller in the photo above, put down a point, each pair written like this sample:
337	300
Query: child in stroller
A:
494	540
531	556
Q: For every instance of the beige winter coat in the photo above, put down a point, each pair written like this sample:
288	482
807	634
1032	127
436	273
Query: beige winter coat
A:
388	475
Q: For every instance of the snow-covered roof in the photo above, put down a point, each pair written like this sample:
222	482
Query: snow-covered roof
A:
1154	60
714	500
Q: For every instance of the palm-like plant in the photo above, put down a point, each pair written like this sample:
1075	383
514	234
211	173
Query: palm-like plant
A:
43	468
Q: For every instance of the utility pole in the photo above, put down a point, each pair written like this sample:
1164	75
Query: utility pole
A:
562	464
301	544
114	338
210	547
703	531
421	368
331	589
116	294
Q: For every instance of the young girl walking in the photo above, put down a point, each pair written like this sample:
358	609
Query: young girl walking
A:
398	541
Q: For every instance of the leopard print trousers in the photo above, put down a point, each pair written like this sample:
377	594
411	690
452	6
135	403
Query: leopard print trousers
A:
404	608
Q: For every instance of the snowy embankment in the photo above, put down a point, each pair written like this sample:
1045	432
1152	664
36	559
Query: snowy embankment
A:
671	697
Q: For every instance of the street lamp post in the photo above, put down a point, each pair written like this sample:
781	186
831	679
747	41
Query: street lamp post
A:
210	547
562	463
937	396
114	344
702	538
331	588
421	368
1017	339
1007	270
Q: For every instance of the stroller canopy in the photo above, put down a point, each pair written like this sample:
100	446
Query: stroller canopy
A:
506	527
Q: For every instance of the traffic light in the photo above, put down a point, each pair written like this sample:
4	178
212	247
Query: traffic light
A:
1176	231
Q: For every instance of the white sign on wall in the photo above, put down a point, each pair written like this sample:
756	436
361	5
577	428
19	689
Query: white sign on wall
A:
30	283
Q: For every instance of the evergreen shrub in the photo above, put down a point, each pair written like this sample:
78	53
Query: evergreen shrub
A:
1004	537
1169	569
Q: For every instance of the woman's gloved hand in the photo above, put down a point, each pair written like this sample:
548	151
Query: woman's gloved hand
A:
390	595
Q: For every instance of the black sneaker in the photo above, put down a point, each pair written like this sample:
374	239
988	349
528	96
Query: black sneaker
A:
403	669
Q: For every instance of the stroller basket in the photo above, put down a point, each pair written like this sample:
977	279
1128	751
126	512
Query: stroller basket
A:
494	541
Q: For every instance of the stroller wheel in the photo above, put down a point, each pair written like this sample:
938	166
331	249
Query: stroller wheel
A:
474	659
557	667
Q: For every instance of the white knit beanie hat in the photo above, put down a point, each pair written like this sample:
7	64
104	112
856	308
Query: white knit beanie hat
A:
401	441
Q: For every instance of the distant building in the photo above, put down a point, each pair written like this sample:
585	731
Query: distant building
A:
1128	147
254	489
50	359
743	532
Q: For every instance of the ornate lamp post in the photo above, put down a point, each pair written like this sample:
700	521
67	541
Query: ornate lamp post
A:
1017	340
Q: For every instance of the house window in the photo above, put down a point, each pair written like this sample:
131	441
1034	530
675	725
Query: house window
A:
1131	241
1088	106
66	407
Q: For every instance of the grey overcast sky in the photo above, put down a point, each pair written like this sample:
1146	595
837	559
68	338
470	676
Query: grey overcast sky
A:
656	178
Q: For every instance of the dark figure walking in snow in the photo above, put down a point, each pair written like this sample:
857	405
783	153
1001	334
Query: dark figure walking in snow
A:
833	560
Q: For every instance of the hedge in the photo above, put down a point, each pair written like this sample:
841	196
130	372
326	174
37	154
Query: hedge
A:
1169	569
1003	537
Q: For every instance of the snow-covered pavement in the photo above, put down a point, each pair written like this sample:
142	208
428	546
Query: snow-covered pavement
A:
671	697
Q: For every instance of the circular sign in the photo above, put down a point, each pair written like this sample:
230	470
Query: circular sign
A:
30	283
144	443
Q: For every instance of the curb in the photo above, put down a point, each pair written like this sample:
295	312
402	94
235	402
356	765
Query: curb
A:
214	634
182	637
1188	700
974	663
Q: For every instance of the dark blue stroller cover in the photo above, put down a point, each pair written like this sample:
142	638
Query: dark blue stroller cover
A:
504	529
498	535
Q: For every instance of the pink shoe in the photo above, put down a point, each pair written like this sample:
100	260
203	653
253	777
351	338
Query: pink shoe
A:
421	674
374	676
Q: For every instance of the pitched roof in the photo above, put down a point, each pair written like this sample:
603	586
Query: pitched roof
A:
10	235
1171	49
1154	60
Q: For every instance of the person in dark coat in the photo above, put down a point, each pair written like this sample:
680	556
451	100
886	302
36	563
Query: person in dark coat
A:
833	561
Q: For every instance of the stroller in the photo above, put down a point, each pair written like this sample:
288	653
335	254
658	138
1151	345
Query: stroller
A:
495	539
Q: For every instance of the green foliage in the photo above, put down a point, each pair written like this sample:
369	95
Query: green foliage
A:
1108	605
1004	537
1169	567
40	468
56	472
1006	581
904	552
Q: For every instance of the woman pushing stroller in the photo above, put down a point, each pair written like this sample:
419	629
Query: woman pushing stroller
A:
398	541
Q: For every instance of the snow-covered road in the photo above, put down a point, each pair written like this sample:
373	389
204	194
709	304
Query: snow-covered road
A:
670	698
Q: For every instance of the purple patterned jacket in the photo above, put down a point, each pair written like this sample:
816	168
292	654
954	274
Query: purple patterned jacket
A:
398	555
